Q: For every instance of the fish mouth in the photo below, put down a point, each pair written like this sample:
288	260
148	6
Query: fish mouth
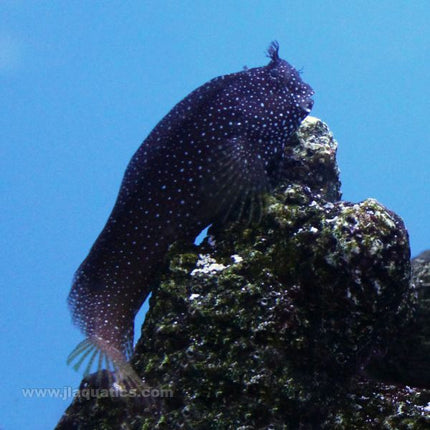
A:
307	105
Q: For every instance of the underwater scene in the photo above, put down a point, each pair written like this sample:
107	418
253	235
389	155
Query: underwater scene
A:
215	215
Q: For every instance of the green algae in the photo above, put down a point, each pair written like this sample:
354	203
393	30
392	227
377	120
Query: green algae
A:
272	325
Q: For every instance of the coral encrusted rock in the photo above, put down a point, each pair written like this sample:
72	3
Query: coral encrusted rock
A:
407	359
272	325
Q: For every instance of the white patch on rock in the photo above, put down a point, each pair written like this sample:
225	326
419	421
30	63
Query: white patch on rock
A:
237	258
207	264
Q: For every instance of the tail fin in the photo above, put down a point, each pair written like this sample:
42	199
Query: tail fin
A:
99	354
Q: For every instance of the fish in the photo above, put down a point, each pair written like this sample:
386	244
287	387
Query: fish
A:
208	161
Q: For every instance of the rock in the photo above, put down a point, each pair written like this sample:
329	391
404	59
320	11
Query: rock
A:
271	325
407	359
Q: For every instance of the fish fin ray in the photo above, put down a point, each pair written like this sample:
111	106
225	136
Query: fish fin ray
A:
87	351
238	178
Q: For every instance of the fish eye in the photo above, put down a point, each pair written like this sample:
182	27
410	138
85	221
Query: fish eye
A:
274	73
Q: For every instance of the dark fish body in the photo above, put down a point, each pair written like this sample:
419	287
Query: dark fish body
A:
211	153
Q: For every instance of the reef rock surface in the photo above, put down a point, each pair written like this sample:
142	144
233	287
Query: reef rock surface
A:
300	321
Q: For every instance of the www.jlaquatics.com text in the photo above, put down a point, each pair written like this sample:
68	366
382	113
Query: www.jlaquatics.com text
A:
66	393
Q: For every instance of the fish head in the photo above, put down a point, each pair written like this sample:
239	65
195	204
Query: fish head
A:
292	91
274	102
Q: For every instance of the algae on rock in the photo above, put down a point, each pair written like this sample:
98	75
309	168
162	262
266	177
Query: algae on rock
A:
271	325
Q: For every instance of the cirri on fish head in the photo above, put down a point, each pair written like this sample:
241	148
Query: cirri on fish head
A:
207	161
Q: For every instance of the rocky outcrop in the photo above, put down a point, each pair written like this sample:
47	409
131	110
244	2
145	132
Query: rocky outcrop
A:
273	324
